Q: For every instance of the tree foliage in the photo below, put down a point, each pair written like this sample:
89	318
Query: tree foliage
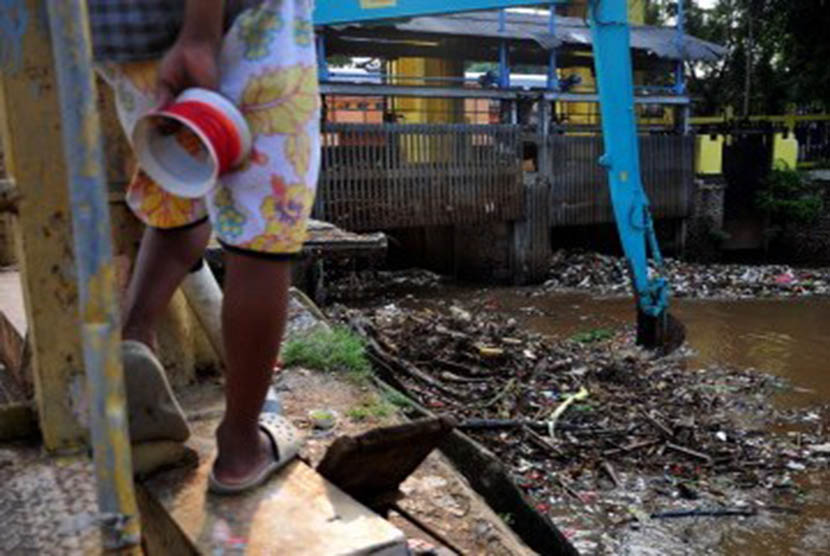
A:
777	54
788	198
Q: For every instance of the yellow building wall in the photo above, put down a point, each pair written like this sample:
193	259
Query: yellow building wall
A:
784	150
427	110
709	154
587	113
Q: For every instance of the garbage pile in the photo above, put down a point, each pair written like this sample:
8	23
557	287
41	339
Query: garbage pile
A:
575	421
345	285
608	275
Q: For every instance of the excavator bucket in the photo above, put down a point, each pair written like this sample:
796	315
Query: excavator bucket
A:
663	333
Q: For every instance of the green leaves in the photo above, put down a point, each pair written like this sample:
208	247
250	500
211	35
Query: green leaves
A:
787	198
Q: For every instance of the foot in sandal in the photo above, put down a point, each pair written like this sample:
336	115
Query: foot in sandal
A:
238	468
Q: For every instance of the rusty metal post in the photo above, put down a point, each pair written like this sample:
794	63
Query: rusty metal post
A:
100	329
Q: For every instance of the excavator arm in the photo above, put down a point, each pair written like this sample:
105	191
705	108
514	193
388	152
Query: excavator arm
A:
354	11
612	61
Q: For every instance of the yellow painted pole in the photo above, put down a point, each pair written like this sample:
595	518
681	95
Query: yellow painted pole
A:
30	126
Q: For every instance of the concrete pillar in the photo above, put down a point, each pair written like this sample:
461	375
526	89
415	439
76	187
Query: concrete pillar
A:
531	236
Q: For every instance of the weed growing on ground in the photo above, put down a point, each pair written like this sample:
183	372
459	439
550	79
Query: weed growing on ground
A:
593	336
372	407
338	350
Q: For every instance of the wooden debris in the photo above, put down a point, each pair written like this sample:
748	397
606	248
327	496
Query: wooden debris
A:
718	512
689	452
612	474
664	430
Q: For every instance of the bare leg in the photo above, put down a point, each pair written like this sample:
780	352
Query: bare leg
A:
253	321
164	259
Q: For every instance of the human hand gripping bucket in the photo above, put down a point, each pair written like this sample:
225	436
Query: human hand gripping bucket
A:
187	145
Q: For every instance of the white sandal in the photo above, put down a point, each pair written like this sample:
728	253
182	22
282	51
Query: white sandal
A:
285	445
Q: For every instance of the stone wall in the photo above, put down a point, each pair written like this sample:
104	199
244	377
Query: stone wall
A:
809	244
705	226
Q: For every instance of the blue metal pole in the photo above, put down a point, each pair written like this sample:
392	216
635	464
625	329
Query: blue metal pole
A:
322	63
553	78
504	54
81	129
679	78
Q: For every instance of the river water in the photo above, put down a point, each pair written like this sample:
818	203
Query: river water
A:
786	337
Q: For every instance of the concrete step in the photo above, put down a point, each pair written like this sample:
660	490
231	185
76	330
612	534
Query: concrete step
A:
296	513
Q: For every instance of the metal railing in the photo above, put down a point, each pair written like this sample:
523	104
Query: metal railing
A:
811	130
399	175
813	142
579	186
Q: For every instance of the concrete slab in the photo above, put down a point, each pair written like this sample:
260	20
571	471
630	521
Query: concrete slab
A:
296	513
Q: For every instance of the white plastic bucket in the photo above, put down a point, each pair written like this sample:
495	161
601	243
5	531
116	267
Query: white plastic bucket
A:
187	145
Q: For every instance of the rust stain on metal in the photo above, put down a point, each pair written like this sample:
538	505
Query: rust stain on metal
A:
98	308
13	21
91	136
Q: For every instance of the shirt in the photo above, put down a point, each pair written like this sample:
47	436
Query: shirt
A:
136	30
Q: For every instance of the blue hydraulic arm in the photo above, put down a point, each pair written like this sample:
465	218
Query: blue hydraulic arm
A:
350	11
612	60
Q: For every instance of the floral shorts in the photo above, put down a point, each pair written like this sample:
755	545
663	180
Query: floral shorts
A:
268	69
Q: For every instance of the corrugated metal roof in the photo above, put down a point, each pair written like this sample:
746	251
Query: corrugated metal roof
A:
663	42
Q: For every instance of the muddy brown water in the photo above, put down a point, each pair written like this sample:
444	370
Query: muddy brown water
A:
786	337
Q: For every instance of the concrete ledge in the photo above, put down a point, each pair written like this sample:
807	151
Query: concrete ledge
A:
296	513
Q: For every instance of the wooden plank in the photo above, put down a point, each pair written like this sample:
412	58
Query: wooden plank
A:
34	152
296	513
